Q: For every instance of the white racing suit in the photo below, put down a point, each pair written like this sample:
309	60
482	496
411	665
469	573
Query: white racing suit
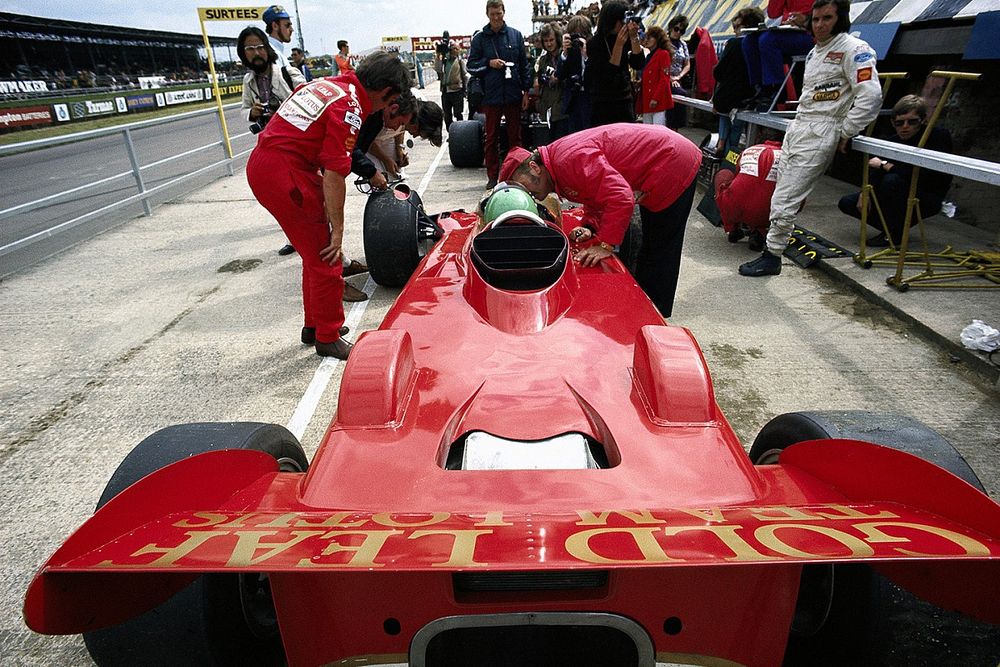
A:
840	96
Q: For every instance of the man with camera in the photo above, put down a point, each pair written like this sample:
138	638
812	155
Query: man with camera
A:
498	58
267	83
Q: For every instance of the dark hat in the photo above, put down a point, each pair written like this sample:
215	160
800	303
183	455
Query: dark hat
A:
275	12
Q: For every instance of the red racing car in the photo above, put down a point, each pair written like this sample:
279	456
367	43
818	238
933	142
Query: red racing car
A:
527	467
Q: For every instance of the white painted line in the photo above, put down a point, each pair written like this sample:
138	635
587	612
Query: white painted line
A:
307	404
426	180
321	378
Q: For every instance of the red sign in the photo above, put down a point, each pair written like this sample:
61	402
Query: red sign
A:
18	116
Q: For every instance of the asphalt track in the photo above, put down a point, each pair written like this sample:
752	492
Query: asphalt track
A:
190	315
44	172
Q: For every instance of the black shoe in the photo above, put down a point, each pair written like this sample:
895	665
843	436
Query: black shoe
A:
340	349
756	241
765	265
490	184
309	334
735	236
877	241
286	249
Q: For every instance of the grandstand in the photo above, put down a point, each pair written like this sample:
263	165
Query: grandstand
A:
41	55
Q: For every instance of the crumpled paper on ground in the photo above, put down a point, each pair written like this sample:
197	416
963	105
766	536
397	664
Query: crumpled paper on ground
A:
980	336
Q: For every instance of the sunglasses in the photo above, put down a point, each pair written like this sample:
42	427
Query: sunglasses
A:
907	122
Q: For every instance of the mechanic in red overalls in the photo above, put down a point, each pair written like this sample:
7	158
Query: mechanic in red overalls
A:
609	169
316	128
744	198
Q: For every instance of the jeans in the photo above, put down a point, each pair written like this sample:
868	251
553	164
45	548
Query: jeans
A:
730	132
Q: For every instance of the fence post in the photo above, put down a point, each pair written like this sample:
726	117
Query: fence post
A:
146	207
225	151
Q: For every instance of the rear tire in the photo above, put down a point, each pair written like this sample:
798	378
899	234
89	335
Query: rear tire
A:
220	619
848	614
465	143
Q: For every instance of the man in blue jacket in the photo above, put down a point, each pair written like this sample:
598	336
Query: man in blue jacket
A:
498	58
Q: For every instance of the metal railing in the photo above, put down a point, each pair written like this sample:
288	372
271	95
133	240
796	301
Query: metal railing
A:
143	193
973	169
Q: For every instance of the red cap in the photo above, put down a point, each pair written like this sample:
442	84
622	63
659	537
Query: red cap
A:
515	157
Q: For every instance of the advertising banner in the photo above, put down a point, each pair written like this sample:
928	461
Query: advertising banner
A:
19	116
61	111
120	105
88	108
172	97
231	13
428	44
17	87
138	102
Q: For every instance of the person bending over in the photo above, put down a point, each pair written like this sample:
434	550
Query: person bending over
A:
609	169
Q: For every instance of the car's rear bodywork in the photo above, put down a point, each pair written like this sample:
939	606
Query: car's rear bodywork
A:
660	537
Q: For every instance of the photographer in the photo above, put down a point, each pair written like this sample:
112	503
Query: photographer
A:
550	87
267	84
570	69
611	55
498	58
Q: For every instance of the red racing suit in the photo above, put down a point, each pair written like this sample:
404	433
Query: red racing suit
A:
610	168
315	128
746	198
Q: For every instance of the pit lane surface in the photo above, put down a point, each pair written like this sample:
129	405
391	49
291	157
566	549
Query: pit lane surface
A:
191	316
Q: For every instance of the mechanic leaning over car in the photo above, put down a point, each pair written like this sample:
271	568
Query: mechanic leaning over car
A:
609	169
840	96
317	128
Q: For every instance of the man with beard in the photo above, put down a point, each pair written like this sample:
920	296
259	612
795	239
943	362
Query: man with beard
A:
266	84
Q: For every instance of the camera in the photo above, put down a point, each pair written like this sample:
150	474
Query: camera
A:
258	125
508	66
546	76
633	17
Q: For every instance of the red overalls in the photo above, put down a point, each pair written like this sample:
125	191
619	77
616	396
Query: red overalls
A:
314	128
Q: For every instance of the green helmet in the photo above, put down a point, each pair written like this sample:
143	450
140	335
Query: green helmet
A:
507	198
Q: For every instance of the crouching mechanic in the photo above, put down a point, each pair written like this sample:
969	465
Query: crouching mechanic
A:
609	169
840	97
744	197
317	128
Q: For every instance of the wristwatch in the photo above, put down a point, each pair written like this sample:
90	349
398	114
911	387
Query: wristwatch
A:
607	246
882	164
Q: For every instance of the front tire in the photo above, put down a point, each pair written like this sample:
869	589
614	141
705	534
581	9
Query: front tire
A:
220	619
849	614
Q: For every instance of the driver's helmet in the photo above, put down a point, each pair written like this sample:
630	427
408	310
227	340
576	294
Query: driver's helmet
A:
507	197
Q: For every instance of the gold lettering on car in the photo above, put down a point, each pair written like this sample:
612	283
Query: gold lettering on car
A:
364	553
578	545
463	546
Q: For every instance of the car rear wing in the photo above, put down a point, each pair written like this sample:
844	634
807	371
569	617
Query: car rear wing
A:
231	511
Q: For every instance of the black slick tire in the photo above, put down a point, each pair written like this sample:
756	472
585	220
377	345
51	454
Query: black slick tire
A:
205	623
465	143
